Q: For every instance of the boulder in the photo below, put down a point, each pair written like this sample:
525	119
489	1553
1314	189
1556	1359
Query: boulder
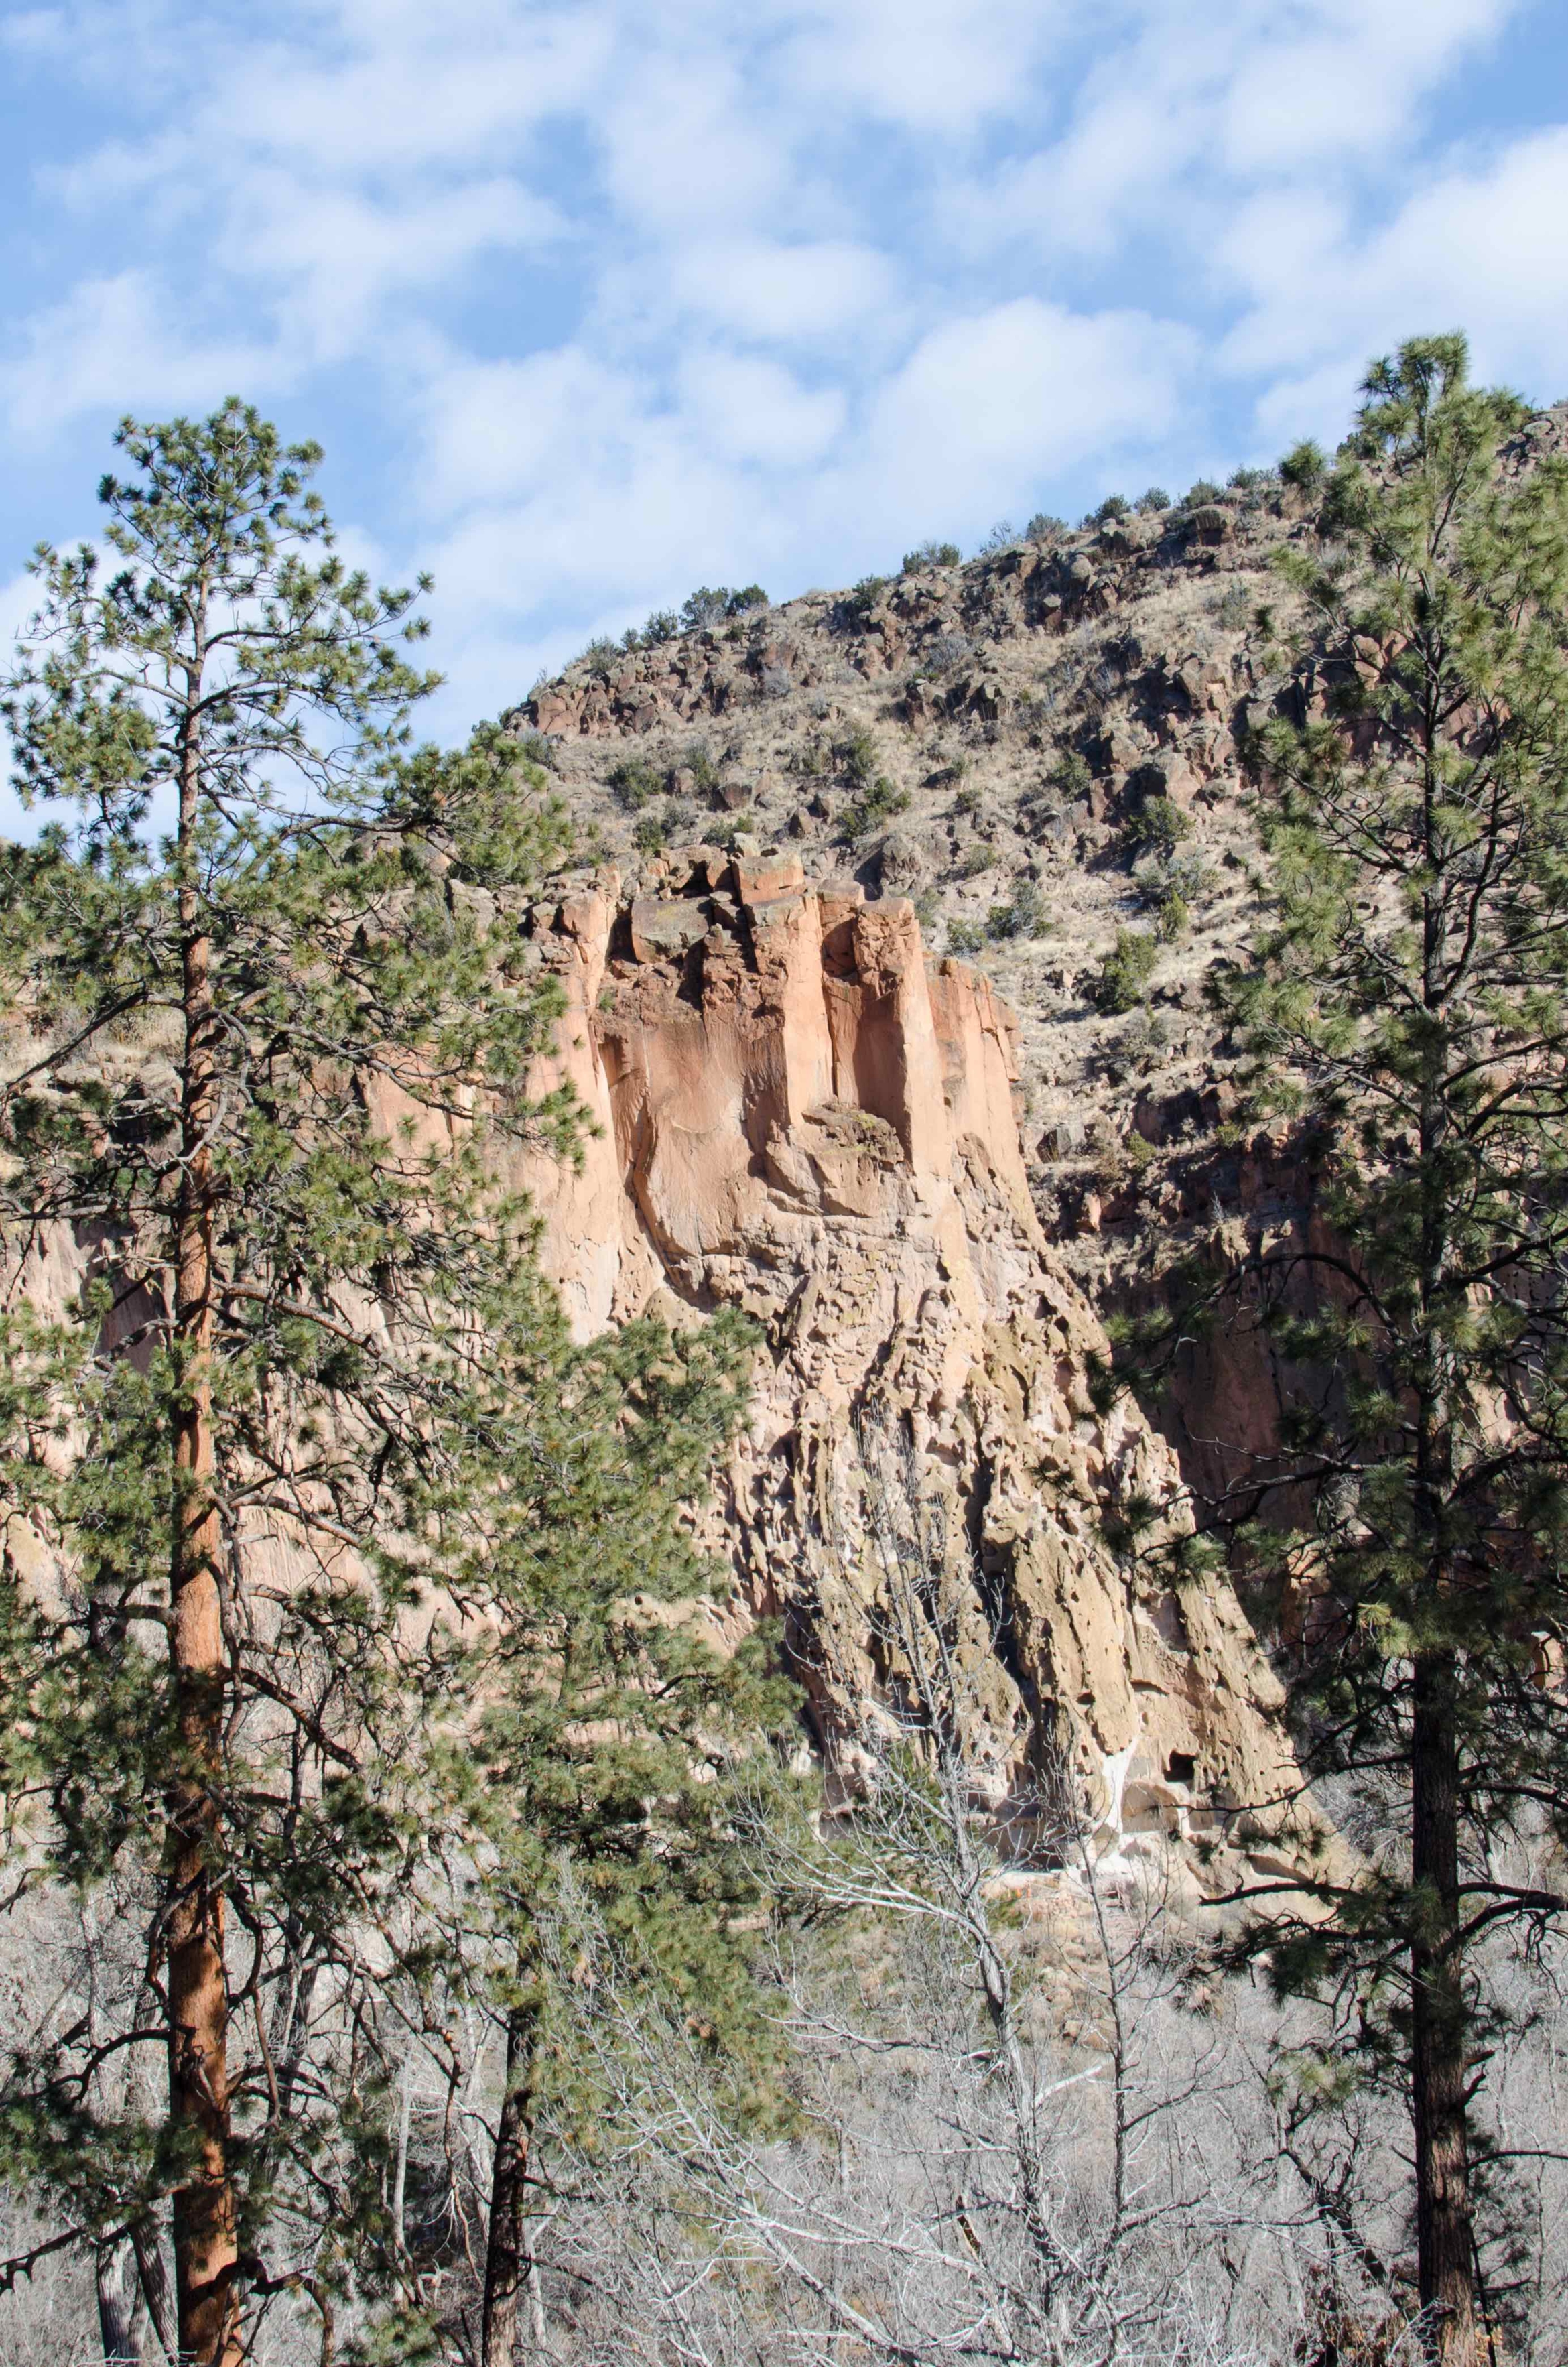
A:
777	875
903	866
662	929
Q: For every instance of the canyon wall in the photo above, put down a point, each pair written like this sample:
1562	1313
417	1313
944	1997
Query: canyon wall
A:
798	1113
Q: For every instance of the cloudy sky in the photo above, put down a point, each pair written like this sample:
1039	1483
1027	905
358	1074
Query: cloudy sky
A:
590	303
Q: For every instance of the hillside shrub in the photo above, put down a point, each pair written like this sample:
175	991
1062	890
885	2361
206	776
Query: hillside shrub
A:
1023	916
714	604
856	758
1156	827
873	805
965	939
1304	467
600	655
1003	533
932	554
633	781
855	607
1125	972
1171	915
1070	775
1149	504
535	749
945	651
1111	511
1196	495
1185	876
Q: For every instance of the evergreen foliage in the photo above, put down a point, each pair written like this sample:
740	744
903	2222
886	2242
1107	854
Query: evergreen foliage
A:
599	1774
706	606
1155	826
1023	914
1407	1002
930	554
313	1406
1125	972
636	781
880	801
1304	467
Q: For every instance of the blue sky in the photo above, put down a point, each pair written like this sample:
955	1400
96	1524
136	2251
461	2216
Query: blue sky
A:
593	303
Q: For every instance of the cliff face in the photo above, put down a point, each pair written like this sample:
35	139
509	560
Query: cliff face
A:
1052	736
801	1114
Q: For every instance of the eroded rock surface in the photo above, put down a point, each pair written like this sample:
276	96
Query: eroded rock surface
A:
801	1113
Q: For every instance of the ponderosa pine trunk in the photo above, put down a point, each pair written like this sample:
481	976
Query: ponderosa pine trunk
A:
1439	2065
1439	2023
204	2232
506	2261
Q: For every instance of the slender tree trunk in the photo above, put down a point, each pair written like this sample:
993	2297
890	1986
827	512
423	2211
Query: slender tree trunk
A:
155	2286
1439	2051
205	2233
117	2294
1439	2020
506	2261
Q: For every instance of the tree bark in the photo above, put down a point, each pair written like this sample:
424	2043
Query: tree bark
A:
117	2294
204	2234
155	2286
506	2261
1439	2051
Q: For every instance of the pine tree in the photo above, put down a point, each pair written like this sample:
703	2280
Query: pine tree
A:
1408	1003
597	1781
265	1057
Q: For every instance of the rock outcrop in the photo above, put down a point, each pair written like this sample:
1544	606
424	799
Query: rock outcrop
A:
800	1114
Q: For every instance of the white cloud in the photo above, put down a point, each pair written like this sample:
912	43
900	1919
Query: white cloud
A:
762	288
496	429
750	409
420	89
1480	248
987	406
121	342
33	32
337	256
682	149
927	66
1195	100
627	298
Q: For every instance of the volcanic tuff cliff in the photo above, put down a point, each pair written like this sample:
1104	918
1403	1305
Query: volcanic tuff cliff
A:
800	1114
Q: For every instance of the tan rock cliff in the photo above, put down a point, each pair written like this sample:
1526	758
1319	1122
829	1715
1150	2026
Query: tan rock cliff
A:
801	1113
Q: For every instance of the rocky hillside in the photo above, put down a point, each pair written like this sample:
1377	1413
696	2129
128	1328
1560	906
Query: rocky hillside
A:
1039	748
1042	749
